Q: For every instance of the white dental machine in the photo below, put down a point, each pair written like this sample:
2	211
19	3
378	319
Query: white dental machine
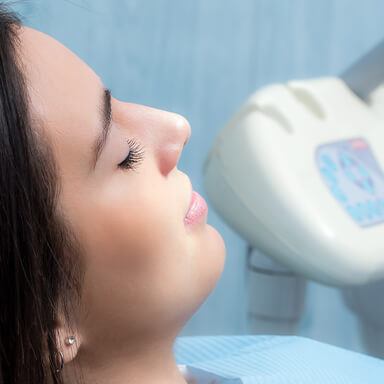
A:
306	191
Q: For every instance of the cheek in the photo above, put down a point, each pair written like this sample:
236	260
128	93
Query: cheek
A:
140	257
135	235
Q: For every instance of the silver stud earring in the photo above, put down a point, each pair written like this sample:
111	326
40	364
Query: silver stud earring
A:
70	340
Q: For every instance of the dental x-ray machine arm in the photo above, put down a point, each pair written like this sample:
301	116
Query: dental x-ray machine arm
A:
306	187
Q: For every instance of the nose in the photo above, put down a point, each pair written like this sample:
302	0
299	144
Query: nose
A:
175	135
163	133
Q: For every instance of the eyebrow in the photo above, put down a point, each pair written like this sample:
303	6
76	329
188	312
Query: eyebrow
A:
106	119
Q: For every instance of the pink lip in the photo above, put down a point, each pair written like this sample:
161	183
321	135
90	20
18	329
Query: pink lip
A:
198	209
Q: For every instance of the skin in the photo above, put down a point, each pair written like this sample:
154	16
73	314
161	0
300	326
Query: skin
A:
146	270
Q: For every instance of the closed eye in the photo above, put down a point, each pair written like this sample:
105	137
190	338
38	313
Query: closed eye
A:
134	157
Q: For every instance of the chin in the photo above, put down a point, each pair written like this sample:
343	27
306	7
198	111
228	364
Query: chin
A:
210	267
218	239
215	256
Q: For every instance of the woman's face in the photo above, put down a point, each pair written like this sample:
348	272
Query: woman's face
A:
146	270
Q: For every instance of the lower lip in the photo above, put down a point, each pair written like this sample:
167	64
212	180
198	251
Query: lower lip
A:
197	210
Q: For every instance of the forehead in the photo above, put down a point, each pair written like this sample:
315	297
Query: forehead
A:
65	94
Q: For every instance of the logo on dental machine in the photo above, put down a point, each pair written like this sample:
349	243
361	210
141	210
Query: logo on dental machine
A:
354	178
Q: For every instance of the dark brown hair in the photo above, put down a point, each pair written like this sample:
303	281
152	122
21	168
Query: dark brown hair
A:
40	267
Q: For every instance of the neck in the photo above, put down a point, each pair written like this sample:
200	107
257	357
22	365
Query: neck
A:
139	363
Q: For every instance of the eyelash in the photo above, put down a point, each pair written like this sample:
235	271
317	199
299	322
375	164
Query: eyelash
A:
135	155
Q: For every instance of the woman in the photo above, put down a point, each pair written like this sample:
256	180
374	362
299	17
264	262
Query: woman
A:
102	261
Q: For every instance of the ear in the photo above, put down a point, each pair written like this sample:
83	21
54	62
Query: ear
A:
62	332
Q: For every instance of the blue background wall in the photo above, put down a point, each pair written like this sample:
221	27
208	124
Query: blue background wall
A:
202	58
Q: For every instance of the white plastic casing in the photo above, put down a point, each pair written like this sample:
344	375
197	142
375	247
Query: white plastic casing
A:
261	176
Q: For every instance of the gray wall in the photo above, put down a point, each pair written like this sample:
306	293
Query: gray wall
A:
202	58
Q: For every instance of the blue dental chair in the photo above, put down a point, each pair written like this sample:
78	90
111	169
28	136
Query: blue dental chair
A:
272	360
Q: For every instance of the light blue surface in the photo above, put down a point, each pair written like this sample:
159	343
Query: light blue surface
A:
202	58
274	360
